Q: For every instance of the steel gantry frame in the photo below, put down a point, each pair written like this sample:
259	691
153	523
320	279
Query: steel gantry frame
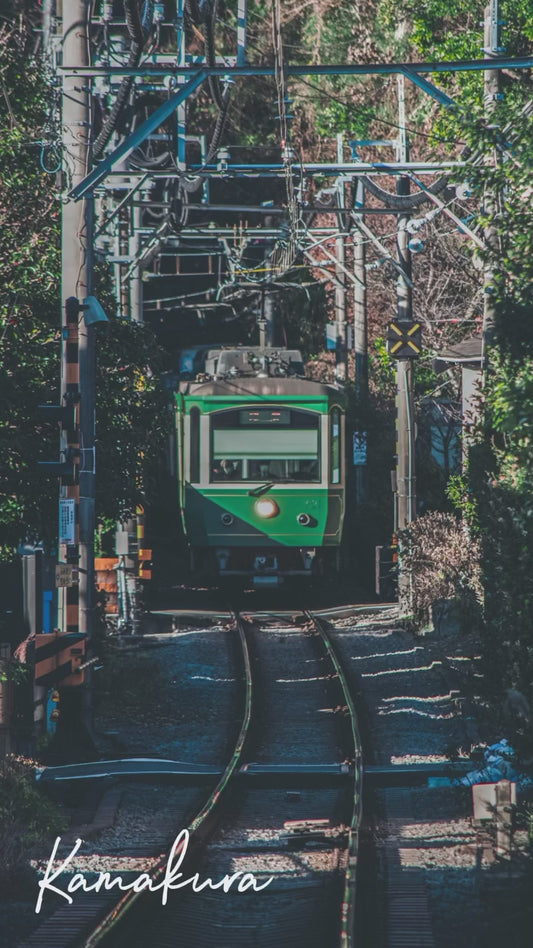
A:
190	74
199	76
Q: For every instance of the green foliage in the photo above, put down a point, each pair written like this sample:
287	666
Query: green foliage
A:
13	671
27	816
460	495
22	802
335	115
510	399
498	494
382	367
495	495
448	31
29	260
131	416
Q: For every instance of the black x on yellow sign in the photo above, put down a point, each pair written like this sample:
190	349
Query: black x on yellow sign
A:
404	340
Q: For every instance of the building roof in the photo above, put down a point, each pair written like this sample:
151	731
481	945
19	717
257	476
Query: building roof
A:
466	352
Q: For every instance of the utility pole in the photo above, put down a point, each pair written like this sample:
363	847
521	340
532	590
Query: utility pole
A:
492	94
49	14
269	311
267	321
77	363
359	300
405	467
360	340
341	367
135	280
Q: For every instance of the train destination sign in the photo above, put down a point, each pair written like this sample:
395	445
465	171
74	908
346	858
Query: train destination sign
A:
265	416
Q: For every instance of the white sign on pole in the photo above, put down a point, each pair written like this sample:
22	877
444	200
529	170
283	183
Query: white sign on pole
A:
484	799
359	448
66	575
67	521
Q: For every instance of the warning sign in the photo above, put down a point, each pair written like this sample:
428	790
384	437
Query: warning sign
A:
66	575
67	521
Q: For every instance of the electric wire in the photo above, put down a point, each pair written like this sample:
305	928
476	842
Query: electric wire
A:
138	38
188	185
286	249
352	107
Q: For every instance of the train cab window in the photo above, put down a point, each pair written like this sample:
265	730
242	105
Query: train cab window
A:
224	469
335	446
265	443
194	456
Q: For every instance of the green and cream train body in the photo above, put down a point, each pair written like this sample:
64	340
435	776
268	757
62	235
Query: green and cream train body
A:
260	467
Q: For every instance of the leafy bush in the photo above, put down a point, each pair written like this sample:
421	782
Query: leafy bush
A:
27	816
443	561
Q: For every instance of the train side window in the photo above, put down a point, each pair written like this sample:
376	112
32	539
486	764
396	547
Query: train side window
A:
194	455
335	446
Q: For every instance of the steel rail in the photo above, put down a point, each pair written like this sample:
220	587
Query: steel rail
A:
350	877
198	827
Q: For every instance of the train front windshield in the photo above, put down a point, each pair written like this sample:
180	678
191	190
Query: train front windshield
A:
265	444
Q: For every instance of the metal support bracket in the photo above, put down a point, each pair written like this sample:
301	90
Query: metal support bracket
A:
428	87
137	137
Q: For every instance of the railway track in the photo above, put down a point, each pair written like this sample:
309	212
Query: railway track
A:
292	817
285	814
91	917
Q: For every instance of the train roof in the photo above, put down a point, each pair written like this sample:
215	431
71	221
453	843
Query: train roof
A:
239	361
260	386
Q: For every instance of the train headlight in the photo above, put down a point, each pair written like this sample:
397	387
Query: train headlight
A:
266	507
306	520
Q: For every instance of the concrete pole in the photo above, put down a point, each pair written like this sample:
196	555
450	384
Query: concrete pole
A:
504	818
242	15
135	280
182	109
78	357
269	317
360	340
359	302
87	468
76	269
492	93
341	367
77	372
267	324
49	14
405	470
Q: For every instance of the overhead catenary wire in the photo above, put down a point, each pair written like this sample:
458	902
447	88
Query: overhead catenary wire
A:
352	107
286	249
205	16
189	184
138	37
139	29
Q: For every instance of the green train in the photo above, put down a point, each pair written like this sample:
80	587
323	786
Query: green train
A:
260	467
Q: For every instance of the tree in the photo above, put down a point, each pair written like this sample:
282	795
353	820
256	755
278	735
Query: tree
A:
29	259
131	410
496	495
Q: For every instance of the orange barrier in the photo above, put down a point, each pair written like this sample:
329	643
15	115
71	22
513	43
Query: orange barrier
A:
106	581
